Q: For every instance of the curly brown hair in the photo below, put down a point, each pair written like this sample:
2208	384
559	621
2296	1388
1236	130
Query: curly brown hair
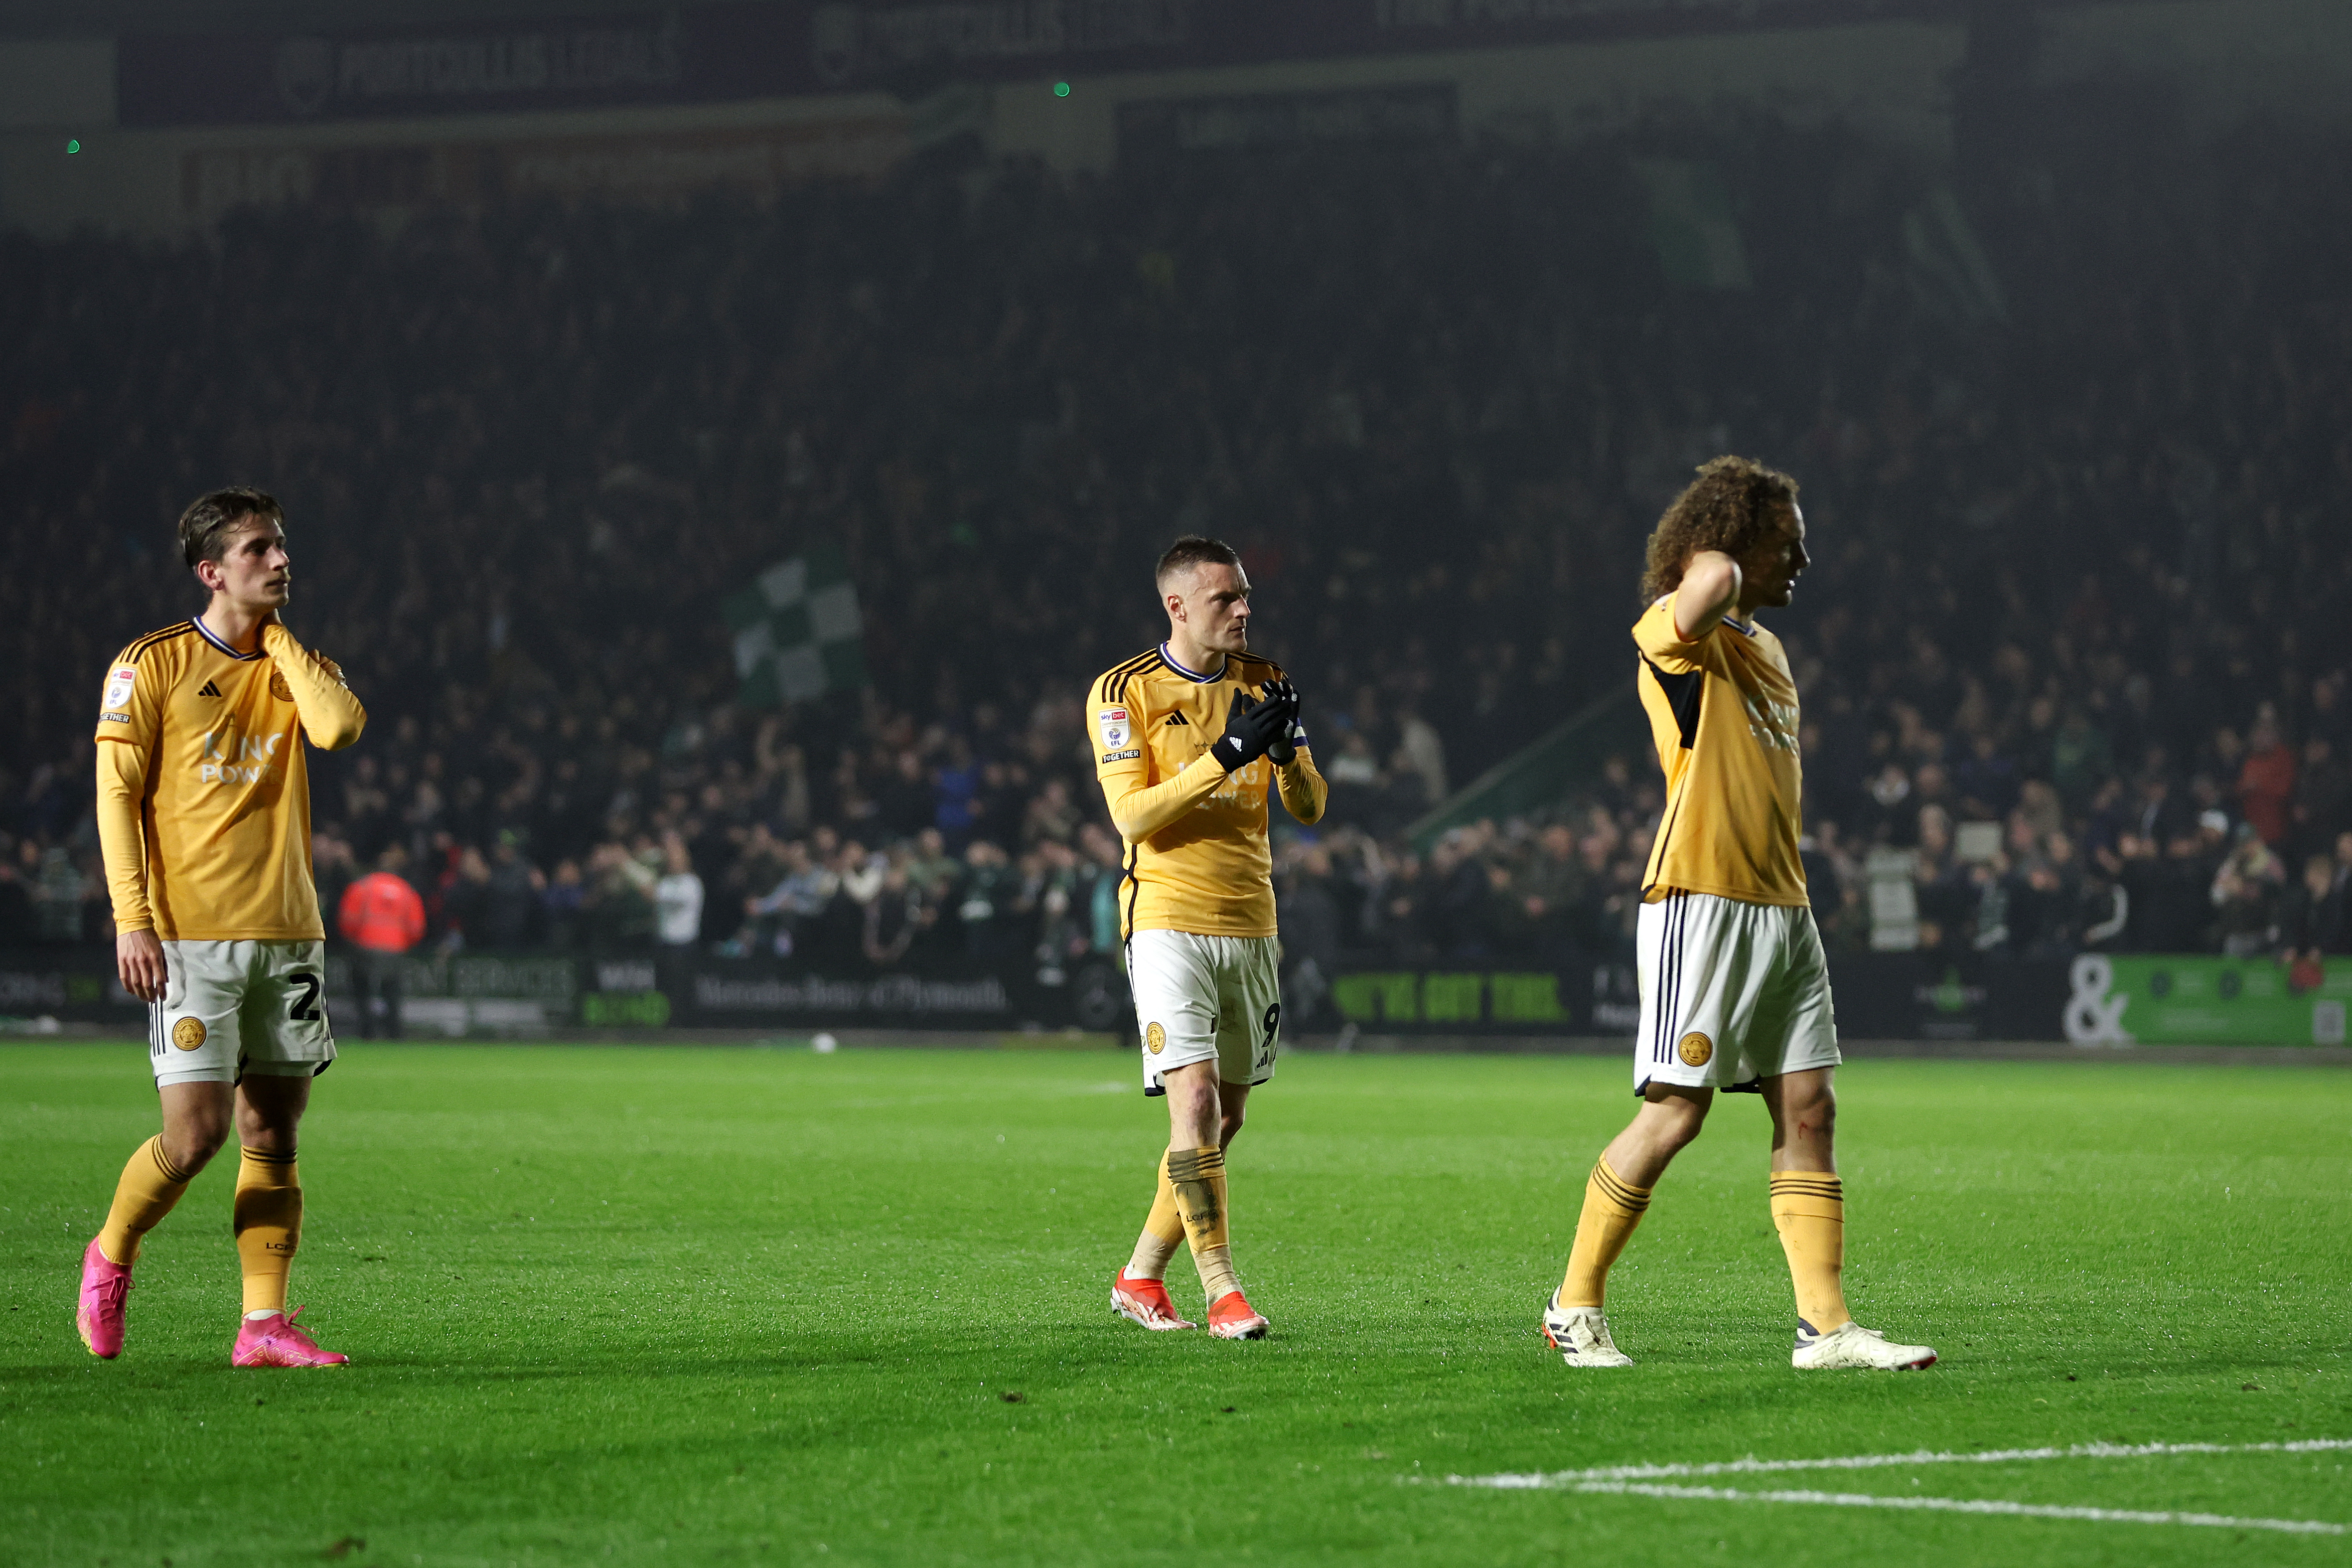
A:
1731	507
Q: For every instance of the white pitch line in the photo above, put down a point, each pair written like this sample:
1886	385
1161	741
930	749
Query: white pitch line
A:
1643	1480
1752	1466
1965	1505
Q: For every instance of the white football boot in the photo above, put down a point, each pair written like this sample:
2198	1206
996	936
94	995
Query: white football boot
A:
1581	1334
1850	1345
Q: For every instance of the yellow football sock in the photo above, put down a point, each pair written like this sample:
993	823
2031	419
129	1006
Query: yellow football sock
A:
1163	1232
1612	1207
1809	1208
151	1185
1198	1176
268	1216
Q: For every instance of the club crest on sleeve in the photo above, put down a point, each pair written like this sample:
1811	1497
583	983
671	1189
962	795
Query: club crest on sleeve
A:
1112	722
119	684
188	1034
1155	1040
1696	1050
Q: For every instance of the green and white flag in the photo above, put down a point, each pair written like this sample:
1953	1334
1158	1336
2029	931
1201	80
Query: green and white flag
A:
797	630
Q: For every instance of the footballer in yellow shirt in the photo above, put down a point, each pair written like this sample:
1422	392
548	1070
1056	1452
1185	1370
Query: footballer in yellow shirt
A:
1734	986
1191	740
204	819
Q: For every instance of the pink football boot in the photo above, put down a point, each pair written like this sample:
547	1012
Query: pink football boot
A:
104	1284
274	1340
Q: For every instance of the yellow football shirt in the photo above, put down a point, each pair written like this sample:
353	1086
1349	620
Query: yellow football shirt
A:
1197	857
1723	711
204	799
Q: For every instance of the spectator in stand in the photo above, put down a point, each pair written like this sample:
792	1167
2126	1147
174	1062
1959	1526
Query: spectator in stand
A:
382	916
1986	781
2246	895
678	897
333	868
2322	795
465	898
2266	780
989	910
895	916
956	795
2313	921
1312	935
561	906
1549	888
618	912
513	899
1421	755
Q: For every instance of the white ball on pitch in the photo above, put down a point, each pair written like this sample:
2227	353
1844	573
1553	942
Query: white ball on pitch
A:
825	1045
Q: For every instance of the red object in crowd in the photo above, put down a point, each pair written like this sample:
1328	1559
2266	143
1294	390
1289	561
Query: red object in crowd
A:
2266	789
381	914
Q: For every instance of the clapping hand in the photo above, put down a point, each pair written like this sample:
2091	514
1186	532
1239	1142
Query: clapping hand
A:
1280	750
1250	728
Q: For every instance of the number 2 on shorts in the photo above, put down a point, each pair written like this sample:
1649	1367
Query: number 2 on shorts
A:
304	1008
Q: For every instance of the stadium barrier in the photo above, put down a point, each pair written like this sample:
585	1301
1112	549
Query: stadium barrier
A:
2094	998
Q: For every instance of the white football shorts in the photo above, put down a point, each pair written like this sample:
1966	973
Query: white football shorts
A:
234	1008
1202	998
1731	992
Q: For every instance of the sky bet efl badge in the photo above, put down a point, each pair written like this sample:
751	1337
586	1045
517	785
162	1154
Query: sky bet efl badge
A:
1112	722
118	687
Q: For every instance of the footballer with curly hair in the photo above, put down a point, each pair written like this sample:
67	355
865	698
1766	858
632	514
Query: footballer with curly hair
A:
1735	987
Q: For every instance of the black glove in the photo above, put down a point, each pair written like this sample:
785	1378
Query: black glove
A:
1251	727
1279	750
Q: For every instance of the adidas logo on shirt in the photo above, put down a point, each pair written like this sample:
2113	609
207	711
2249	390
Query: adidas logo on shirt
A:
208	690
1177	719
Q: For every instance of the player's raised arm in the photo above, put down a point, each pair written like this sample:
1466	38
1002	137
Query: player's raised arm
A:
1708	591
331	717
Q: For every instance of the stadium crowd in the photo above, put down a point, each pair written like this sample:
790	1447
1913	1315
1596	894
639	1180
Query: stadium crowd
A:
2068	651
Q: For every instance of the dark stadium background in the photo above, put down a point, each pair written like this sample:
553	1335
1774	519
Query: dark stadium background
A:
2045	306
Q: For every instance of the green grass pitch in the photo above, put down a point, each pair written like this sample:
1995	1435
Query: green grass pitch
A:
734	1306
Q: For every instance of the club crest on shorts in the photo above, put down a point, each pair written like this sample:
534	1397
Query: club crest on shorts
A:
188	1034
1112	722
1155	1038
1696	1050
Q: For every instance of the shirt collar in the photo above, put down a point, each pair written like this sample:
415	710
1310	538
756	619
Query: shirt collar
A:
206	633
1169	659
